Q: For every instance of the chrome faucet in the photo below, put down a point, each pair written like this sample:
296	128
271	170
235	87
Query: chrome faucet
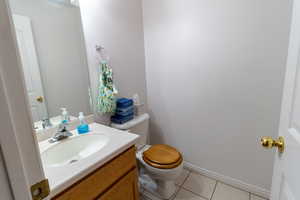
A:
62	133
46	123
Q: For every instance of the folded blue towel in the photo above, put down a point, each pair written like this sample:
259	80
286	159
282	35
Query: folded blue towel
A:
121	120
124	109
125	112
124	103
123	115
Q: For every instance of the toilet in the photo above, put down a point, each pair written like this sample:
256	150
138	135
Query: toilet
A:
162	163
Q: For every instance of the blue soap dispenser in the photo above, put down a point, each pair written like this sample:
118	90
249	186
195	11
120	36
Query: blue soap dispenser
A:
65	118
83	126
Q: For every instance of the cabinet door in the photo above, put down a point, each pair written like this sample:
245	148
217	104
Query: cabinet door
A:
101	180
125	189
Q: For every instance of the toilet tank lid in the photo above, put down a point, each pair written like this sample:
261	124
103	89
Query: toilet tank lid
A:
131	123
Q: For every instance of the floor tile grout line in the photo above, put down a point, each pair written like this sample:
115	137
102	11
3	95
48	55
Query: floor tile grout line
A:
176	193
182	186
195	193
185	179
234	187
224	183
214	190
190	173
258	196
195	172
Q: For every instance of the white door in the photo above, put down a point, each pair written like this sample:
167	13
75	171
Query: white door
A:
286	177
30	67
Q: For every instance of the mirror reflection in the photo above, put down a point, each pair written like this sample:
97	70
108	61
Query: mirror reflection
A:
53	56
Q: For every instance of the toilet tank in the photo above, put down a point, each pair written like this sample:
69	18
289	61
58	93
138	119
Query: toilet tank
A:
139	125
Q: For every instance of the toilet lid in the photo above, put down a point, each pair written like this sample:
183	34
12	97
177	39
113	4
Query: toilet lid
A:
162	156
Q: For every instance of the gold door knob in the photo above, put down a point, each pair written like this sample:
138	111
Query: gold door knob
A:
40	99
269	143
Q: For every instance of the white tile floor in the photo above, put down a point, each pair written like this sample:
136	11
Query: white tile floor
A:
193	186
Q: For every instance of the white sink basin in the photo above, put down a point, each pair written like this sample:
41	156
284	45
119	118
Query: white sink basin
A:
73	149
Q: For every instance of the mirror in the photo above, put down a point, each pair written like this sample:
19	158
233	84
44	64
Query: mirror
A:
52	49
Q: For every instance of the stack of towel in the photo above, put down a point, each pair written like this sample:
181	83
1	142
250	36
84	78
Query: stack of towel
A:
124	111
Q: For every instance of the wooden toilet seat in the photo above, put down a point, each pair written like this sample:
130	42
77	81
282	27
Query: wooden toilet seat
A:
162	156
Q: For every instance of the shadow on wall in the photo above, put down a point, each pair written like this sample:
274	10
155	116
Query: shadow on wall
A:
156	135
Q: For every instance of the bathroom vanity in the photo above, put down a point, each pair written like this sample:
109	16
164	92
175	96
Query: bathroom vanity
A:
98	165
114	181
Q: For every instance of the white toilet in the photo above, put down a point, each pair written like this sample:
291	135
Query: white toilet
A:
162	163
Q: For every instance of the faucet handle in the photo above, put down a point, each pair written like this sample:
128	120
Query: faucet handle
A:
63	131
46	123
62	127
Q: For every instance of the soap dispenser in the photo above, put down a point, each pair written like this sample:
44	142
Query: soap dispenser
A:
83	126
65	118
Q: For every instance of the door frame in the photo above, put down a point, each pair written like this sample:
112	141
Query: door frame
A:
17	139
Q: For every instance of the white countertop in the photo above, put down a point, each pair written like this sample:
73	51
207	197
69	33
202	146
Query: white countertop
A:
63	177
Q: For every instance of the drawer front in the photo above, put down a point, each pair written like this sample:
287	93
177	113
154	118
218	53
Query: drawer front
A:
125	189
97	182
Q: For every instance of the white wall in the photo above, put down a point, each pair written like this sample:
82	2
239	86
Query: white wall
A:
215	73
61	53
118	26
5	192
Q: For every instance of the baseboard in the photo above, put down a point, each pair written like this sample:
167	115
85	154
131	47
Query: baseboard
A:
230	181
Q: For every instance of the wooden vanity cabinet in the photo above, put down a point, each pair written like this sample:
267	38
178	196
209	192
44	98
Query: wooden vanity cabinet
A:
116	180
125	189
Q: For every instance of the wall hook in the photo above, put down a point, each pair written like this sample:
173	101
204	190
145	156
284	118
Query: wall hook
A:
99	48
